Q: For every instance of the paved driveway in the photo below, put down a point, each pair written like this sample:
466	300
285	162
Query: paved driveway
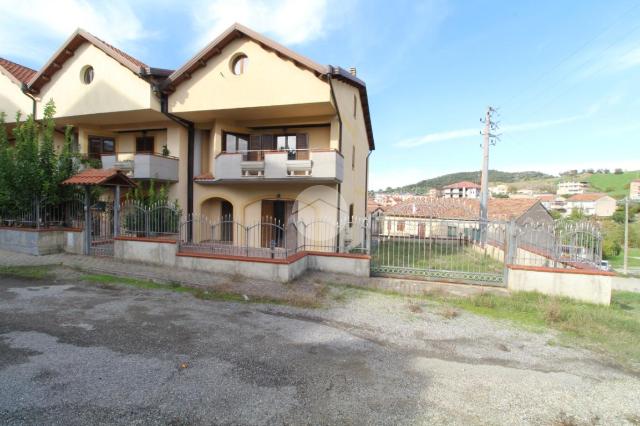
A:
78	353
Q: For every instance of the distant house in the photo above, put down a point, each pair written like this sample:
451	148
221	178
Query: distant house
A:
374	209
458	218
433	193
634	190
464	189
553	202
499	190
592	204
572	188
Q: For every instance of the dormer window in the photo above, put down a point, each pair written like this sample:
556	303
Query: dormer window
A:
87	74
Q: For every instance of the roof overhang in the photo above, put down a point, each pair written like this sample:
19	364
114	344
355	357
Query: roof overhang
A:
100	177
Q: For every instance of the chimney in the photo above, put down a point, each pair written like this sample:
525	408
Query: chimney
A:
352	70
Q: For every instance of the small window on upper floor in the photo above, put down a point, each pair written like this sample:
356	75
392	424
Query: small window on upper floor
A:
355	105
145	144
87	74
239	64
353	157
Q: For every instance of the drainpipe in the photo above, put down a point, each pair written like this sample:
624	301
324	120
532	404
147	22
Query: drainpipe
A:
164	108
335	102
25	90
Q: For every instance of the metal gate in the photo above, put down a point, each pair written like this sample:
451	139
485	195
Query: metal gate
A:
101	229
465	251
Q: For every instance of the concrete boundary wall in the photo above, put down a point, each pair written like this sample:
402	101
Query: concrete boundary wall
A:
164	252
626	284
39	242
587	286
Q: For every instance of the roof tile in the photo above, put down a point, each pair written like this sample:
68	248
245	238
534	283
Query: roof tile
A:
20	72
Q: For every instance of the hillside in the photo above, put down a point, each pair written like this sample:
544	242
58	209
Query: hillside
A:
615	185
495	176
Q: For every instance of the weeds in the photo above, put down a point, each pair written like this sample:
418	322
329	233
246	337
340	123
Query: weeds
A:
414	307
448	312
42	272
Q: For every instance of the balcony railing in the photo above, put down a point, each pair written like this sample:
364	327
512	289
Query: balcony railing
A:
322	164
143	165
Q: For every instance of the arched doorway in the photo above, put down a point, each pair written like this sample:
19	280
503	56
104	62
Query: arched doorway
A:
219	213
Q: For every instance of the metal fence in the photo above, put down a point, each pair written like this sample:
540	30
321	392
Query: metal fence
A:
44	214
270	238
559	245
438	249
158	220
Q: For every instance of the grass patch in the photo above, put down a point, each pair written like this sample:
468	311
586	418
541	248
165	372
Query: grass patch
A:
613	329
42	272
223	293
633	259
613	184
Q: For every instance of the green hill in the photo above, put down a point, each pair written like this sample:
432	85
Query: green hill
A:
423	186
616	185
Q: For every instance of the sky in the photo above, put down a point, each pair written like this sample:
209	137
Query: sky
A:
564	76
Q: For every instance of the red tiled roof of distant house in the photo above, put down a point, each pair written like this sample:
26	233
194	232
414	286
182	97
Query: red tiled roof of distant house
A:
589	196
19	72
463	184
464	209
546	197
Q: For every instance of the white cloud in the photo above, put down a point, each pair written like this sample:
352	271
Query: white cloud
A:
28	29
512	128
289	21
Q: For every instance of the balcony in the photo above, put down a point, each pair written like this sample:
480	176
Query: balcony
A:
143	165
287	165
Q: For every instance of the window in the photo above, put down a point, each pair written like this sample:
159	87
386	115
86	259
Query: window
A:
87	74
239	64
350	215
145	144
99	145
296	144
353	157
452	231
355	105
400	226
235	142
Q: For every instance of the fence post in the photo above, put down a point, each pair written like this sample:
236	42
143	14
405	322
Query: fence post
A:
510	249
86	250
116	212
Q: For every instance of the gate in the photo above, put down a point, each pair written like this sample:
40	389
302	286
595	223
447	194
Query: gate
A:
101	229
465	251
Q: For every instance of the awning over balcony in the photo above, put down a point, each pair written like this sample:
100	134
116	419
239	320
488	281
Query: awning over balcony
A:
100	177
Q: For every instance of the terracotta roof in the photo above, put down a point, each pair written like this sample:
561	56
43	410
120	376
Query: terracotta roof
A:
99	177
589	196
78	38
20	73
204	177
546	197
236	31
372	206
463	184
464	209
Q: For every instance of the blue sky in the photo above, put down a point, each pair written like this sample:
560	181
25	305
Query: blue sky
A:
564	75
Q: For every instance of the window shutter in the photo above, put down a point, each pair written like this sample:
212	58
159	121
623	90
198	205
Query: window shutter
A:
254	148
224	141
268	142
302	144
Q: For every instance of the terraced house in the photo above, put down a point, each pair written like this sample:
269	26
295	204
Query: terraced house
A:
244	129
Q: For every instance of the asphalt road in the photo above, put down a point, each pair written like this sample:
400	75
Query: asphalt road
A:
78	353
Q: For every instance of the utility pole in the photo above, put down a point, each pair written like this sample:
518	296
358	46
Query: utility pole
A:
625	256
488	138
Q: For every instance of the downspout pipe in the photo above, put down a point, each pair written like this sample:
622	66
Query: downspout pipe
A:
25	90
191	132
335	102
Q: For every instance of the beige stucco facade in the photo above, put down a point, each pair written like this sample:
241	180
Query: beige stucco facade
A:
12	99
275	95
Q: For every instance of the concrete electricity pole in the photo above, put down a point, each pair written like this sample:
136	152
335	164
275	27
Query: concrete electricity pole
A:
626	235
488	138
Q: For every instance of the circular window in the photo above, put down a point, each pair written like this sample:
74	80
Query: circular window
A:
87	74
239	64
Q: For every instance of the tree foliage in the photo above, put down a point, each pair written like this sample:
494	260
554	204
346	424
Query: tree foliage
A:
31	171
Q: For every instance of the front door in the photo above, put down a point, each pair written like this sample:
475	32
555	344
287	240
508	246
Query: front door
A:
274	218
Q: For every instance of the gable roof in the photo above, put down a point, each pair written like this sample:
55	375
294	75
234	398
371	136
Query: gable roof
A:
100	177
78	38
19	74
463	184
236	31
464	209
589	196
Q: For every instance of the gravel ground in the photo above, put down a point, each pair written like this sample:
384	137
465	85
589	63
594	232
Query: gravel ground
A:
79	353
